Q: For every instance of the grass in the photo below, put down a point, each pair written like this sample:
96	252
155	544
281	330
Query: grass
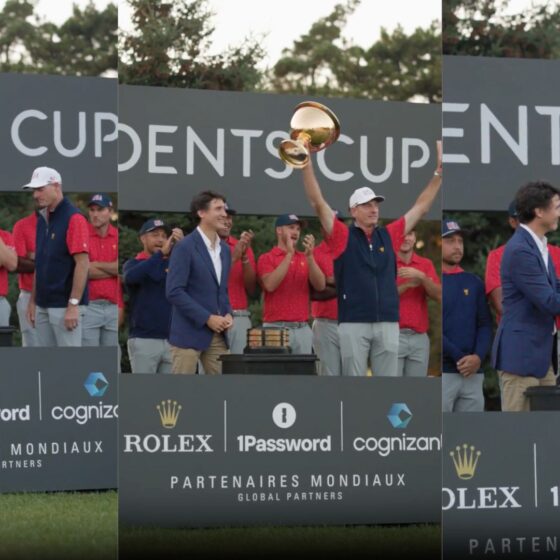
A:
83	525
386	542
59	525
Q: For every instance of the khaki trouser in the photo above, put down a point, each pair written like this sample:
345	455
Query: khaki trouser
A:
185	360
514	387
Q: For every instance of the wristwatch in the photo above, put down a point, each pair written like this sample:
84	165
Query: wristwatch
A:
73	301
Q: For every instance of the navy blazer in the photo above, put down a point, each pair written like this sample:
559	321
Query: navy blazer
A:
531	300
194	292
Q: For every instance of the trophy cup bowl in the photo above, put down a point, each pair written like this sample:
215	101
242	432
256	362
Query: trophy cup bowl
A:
313	127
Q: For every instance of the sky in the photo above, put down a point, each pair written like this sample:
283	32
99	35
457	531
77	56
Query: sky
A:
277	23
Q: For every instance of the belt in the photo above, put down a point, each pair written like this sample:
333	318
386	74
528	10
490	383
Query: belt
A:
101	302
288	324
325	320
410	331
241	313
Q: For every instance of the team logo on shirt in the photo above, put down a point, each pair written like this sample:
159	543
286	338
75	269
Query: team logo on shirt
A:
466	291
381	249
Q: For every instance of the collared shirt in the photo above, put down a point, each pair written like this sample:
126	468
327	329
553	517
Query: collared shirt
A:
338	239
413	308
327	309
236	284
214	251
25	231
290	301
8	240
104	249
542	244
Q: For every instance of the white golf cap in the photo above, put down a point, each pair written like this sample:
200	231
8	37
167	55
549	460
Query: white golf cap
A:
43	176
363	195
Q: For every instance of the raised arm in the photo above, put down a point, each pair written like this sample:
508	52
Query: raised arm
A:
315	196
427	196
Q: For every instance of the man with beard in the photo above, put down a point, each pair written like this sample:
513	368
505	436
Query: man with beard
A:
144	279
197	290
523	348
242	281
59	294
100	321
467	327
285	275
417	281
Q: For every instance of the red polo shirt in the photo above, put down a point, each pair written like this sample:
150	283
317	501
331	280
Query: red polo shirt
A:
236	286
104	249
24	240
77	234
290	301
413	308
8	240
327	309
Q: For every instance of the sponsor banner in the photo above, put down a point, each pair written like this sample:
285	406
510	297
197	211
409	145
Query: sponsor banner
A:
501	481
69	123
58	419
173	143
241	450
501	128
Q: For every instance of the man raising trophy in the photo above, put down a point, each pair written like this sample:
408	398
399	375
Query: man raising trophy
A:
364	254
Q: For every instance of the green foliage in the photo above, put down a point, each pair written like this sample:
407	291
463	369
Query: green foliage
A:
397	67
84	45
476	28
168	47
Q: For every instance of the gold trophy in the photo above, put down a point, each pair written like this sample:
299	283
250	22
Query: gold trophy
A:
313	127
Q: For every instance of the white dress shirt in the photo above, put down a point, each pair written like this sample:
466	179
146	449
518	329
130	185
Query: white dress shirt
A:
542	244
214	251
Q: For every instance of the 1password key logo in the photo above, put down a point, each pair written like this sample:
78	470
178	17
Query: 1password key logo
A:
284	415
96	384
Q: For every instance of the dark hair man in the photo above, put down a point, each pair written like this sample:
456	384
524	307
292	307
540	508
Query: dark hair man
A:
197	290
100	321
467	327
523	347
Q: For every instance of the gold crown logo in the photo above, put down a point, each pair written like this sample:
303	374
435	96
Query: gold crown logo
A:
465	461
169	412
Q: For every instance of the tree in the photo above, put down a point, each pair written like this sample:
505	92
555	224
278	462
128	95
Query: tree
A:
397	67
84	45
476	28
169	44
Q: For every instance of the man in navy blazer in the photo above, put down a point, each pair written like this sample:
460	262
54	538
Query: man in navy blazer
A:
197	284
523	347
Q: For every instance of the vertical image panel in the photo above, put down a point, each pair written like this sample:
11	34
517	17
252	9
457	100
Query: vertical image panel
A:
500	278
280	251
59	281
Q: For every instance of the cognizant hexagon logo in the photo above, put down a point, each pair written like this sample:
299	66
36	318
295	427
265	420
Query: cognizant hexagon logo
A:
399	415
96	384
